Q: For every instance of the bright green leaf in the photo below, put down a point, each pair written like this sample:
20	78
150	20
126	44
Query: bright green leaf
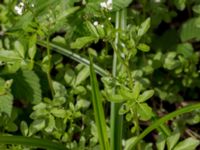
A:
19	48
32	46
144	111
6	102
144	27
145	96
9	56
172	140
136	90
187	144
24	128
82	42
60	113
143	47
82	75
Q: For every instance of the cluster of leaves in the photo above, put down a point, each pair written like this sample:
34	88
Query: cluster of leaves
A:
44	94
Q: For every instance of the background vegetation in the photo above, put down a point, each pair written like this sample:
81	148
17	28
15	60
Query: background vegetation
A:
84	74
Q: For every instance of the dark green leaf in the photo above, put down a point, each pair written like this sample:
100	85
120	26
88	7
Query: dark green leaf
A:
26	86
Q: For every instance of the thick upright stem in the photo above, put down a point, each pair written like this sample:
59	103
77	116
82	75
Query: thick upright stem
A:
116	119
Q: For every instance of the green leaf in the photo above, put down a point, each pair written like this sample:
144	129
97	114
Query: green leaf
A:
124	109
136	90
26	79
32	46
98	110
83	41
196	8
9	56
144	111
187	144
143	47
180	4
119	4
19	48
24	128
6	102
82	75
185	49
92	29
160	145
145	96
190	30
51	124
57	112
67	12
172	140
126	94
36	126
144	27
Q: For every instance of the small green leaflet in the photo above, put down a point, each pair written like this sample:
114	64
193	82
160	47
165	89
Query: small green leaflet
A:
187	144
82	42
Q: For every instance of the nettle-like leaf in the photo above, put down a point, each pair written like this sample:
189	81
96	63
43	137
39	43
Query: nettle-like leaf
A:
190	30
26	86
119	4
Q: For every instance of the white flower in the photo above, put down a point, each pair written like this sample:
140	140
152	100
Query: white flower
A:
96	23
102	25
106	5
32	5
19	8
157	1
109	18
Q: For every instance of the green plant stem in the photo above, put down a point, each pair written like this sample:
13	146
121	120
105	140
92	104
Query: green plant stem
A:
73	56
116	121
162	120
49	69
35	142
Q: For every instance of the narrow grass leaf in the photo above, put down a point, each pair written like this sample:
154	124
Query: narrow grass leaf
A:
98	110
28	141
73	56
162	120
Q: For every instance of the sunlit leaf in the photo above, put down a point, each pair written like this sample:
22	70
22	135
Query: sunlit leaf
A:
187	144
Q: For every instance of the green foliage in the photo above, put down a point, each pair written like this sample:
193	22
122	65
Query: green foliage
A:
146	61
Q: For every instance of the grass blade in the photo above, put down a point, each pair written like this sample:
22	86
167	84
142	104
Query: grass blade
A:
98	110
28	141
73	56
162	120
